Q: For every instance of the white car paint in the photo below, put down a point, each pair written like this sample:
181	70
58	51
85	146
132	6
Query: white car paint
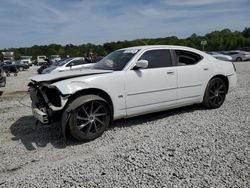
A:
142	91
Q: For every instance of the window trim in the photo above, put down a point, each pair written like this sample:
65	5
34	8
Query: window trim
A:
146	50
175	57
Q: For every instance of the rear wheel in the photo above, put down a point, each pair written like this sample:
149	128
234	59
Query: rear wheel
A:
90	117
238	59
215	93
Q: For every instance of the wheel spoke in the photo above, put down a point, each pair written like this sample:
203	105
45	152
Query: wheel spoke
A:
83	125
82	118
98	108
220	87
91	108
94	126
89	127
212	92
85	111
212	97
100	114
97	119
220	98
221	91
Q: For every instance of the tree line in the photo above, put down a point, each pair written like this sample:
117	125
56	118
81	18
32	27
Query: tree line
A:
216	41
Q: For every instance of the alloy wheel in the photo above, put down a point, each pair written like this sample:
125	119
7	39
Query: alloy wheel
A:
92	117
217	93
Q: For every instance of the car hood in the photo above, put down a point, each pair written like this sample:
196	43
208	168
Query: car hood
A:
48	69
58	76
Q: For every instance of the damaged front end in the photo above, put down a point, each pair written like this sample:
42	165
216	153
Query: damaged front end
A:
47	101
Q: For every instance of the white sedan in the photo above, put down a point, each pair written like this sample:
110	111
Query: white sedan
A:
68	64
130	82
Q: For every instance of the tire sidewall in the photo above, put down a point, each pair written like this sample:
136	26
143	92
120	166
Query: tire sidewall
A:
75	105
206	101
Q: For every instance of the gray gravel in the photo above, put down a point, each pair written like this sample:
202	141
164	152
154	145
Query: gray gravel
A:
186	147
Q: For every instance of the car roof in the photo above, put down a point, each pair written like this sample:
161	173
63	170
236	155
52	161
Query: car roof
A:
159	46
174	47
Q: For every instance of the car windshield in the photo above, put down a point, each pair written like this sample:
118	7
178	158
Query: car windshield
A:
116	60
64	62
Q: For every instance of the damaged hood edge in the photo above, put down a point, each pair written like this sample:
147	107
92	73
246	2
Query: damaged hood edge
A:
55	77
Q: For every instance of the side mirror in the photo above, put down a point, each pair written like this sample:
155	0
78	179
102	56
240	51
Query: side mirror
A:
141	64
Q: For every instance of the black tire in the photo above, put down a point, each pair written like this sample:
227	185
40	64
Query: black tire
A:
90	117
238	59
215	93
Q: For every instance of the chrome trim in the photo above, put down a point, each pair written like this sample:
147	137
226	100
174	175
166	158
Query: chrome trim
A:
150	91
162	102
131	94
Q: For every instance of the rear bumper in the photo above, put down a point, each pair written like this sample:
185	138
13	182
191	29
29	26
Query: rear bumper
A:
232	81
2	82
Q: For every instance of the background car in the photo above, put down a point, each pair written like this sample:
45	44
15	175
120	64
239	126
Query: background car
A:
68	64
2	77
27	61
21	65
237	55
130	82
221	56
11	65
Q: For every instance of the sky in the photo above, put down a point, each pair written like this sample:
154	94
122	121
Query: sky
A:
25	23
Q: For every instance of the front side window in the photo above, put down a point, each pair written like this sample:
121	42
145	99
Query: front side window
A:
157	58
76	62
186	57
116	60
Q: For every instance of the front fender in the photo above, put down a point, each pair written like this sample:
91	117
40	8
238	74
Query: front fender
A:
71	87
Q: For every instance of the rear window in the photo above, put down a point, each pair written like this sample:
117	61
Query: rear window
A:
187	58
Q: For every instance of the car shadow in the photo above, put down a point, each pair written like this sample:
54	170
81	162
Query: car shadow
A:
34	135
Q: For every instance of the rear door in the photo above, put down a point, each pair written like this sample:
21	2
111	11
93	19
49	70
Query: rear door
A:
193	74
153	88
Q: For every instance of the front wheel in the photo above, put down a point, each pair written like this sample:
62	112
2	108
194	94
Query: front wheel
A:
215	93
90	117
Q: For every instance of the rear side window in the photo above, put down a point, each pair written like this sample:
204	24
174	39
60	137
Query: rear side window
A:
157	58
186	57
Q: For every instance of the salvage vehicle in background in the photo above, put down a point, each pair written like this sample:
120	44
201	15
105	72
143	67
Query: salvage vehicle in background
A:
130	82
19	65
40	60
68	64
220	56
2	77
237	55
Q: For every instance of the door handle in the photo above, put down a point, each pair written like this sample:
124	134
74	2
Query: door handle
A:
205	68
170	72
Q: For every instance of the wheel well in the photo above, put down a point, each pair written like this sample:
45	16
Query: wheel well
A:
93	91
224	78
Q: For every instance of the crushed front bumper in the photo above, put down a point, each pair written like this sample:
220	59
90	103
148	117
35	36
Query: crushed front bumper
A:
40	115
44	106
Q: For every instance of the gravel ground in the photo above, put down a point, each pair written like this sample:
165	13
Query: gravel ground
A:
186	147
18	84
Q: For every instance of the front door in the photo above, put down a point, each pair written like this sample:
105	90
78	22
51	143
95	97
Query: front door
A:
153	88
